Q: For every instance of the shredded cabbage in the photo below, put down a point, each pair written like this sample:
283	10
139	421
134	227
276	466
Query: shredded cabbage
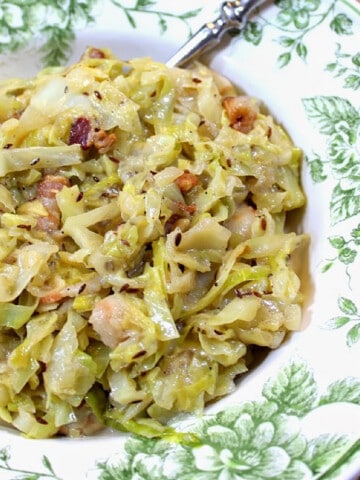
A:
143	243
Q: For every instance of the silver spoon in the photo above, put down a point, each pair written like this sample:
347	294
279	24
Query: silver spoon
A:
233	15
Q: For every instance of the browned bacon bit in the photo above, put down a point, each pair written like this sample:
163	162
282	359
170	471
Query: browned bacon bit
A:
196	80
47	189
83	133
242	113
103	141
80	132
191	209
187	181
95	53
171	222
50	185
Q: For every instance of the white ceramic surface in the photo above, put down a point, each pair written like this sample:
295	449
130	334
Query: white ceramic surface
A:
297	415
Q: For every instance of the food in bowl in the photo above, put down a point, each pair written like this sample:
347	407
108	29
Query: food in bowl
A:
143	243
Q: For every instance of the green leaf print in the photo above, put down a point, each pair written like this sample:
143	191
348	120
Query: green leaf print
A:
345	390
352	81
337	241
284	59
255	440
54	23
339	120
336	322
344	204
317	169
351	318
353	335
327	112
294	389
296	20
346	253
57	46
347	306
347	66
24	474
253	32
324	450
341	24
162	16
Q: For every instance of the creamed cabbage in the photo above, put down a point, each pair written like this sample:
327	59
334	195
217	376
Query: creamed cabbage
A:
143	250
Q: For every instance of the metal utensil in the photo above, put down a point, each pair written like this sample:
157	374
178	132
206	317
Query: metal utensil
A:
234	15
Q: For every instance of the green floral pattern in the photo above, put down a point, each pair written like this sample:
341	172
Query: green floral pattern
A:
345	251
260	439
349	318
346	66
295	20
148	7
56	21
254	440
24	474
263	438
339	121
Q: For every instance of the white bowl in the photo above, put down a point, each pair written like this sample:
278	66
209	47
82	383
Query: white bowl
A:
297	414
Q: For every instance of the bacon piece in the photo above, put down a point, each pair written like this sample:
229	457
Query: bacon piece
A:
191	209
95	53
83	133
242	113
51	297
80	132
47	189
102	141
171	223
187	181
50	185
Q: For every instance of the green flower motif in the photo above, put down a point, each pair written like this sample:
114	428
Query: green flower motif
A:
256	440
296	19
344	150
248	451
346	66
142	459
355	234
339	120
347	255
296	12
348	318
54	23
19	473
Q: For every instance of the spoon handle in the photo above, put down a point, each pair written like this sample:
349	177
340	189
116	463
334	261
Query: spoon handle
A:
233	16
